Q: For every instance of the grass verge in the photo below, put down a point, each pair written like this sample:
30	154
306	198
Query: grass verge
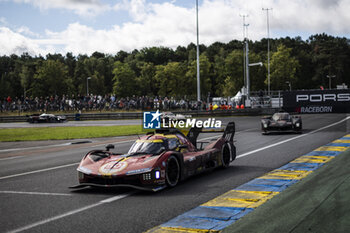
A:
60	133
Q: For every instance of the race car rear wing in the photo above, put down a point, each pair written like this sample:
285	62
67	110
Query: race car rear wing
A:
228	134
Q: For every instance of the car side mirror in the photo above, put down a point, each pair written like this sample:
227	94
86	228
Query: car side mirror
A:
183	146
109	146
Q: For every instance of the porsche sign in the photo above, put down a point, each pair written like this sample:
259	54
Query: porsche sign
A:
317	101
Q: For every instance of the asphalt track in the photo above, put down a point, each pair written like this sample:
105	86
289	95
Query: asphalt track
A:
34	182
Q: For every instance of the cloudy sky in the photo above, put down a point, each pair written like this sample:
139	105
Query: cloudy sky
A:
108	26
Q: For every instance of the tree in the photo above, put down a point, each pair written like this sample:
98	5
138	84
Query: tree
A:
51	79
191	75
124	80
71	62
330	56
156	55
80	75
233	73
218	73
283	68
257	74
5	87
305	64
96	69
25	76
171	79
147	82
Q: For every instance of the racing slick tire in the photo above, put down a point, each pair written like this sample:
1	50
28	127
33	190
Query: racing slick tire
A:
226	155
264	131
299	129
172	171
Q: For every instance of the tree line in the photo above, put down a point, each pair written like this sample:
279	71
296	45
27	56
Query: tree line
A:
162	71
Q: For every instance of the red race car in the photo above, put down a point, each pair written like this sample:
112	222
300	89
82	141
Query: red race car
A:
157	160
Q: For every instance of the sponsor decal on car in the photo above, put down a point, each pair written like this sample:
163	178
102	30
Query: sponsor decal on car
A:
113	167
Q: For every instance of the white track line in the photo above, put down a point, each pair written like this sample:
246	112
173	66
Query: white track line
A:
37	171
290	139
9	158
35	193
108	200
35	147
57	145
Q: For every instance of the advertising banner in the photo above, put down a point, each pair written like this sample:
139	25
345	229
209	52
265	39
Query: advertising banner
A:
317	101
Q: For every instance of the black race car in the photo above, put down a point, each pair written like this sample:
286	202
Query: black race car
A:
46	118
281	122
166	117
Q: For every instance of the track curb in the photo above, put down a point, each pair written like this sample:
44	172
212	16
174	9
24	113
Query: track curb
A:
224	210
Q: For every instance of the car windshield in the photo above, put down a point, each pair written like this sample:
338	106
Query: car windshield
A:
147	147
280	116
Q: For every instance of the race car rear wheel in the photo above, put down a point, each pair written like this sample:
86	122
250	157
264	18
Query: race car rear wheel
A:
226	155
172	172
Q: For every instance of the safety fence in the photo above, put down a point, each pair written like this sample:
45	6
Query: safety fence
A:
139	115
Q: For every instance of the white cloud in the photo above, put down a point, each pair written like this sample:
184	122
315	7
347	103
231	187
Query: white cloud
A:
170	25
26	31
313	16
3	21
14	43
79	7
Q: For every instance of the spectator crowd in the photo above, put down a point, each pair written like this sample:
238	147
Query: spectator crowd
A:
96	103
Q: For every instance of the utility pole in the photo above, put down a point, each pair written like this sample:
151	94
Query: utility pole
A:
87	85
289	85
268	49
247	62
247	68
330	82
198	71
244	53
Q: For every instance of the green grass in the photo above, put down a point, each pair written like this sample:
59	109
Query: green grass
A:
59	133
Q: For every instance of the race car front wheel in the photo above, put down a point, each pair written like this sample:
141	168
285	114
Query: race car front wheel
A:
172	173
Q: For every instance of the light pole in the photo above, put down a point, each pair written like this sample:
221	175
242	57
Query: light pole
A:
198	73
244	53
330	82
290	85
248	78
87	85
268	49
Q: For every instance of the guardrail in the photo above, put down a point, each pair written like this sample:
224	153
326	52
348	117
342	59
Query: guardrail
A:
138	115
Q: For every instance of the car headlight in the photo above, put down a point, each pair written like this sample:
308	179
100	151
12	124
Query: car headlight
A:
147	176
297	124
265	125
157	175
151	175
